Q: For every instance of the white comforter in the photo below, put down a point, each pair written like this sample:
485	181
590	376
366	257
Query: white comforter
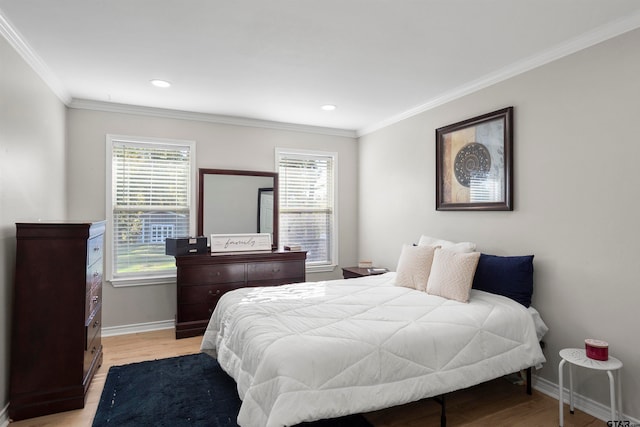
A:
309	351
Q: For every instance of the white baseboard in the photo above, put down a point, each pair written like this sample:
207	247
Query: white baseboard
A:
4	416
591	407
138	327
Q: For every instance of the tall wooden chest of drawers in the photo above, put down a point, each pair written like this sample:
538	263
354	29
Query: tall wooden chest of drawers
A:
57	310
203	279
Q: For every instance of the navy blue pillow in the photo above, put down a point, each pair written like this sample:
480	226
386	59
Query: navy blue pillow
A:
510	276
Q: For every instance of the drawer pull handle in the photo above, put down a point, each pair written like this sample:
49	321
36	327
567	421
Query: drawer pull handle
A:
95	299
96	249
217	292
96	323
96	274
275	270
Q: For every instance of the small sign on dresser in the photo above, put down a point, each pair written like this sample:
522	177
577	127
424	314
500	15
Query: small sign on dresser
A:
240	242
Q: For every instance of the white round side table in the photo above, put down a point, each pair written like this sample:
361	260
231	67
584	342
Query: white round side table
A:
578	357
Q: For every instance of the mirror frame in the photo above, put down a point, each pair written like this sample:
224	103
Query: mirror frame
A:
202	172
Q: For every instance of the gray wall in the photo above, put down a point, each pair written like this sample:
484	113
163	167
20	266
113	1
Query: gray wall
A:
218	146
576	151
576	187
32	173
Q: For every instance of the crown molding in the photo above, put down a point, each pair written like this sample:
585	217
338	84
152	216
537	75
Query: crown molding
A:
584	41
15	39
567	48
28	54
111	107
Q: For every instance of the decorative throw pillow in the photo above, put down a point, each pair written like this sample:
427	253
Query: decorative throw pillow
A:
414	266
446	244
452	274
510	276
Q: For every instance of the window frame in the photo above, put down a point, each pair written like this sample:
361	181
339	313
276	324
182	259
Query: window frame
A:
314	154
154	278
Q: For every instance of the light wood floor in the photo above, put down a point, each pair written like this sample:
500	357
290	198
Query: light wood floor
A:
497	403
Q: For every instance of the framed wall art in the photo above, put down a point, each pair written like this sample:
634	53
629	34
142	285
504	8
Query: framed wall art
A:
474	163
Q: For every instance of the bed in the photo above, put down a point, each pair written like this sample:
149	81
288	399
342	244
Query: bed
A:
318	350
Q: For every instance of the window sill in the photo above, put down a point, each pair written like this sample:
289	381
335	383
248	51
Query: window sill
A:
142	281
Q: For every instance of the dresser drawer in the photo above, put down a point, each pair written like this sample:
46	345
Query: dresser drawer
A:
94	249
210	274
94	350
93	339
194	312
93	299
94	275
199	294
93	328
277	270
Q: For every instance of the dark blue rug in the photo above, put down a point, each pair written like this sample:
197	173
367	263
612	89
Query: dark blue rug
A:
180	391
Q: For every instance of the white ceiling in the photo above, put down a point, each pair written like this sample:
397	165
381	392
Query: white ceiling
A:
280	60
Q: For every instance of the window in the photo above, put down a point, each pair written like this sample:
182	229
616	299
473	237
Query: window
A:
307	181
149	198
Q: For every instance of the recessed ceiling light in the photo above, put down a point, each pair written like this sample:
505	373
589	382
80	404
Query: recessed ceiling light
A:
160	83
328	107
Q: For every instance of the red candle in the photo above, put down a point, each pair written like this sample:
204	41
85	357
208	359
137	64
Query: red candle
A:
597	349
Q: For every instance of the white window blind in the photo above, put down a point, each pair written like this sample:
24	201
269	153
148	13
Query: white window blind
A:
151	200
307	207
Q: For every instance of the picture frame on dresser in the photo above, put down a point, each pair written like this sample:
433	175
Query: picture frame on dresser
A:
474	160
221	243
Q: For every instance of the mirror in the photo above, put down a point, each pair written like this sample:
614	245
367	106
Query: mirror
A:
233	201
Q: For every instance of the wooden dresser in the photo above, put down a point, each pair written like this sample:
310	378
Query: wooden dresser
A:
203	279
57	308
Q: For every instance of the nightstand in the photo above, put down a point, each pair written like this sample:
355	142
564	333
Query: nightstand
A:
578	357
353	272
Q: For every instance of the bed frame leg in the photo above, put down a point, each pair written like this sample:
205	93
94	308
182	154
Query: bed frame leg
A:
529	380
443	416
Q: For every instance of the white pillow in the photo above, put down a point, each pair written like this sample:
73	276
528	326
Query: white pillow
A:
446	244
452	274
414	266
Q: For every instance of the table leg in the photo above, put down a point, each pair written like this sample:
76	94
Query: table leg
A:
619	382
570	388
561	392
612	392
